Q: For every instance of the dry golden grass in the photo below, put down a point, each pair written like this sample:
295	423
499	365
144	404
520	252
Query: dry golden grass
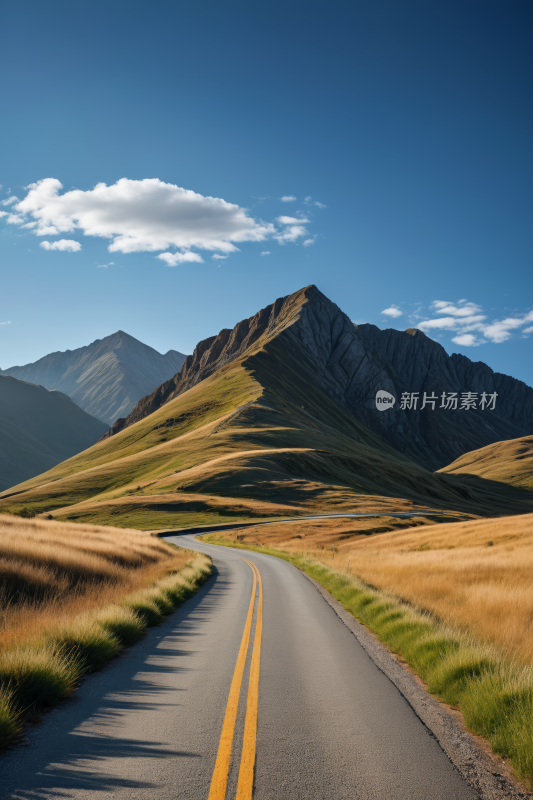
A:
508	462
51	572
477	574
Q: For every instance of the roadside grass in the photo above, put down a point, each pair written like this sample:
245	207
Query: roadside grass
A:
41	674
493	691
78	595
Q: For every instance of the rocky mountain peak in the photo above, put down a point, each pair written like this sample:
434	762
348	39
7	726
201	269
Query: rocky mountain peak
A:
352	362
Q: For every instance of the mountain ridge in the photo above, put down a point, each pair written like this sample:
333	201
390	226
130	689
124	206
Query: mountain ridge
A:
105	378
353	362
263	422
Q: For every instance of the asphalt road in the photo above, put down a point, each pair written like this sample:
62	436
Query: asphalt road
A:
330	724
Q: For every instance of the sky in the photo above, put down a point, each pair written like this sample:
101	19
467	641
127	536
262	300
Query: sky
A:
171	168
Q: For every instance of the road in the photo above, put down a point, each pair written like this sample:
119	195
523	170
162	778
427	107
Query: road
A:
165	720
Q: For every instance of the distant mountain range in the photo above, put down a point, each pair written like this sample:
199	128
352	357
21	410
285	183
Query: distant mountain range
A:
278	417
107	378
38	429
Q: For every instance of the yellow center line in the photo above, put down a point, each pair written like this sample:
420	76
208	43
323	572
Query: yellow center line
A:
246	772
220	773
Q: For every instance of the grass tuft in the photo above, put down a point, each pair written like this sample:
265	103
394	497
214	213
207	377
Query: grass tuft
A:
87	642
10	719
126	626
145	608
38	677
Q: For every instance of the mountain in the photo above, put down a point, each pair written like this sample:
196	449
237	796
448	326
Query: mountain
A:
506	462
272	419
39	429
107	377
352	362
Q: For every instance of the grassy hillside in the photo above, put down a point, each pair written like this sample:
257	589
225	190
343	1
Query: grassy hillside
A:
70	598
509	462
39	429
256	439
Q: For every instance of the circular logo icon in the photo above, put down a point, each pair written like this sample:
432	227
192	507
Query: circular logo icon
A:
384	400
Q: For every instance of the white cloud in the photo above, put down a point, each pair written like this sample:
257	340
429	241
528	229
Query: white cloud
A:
148	216
528	330
5	323
105	266
172	259
393	311
500	330
265	253
307	200
290	234
135	216
291	220
466	339
465	317
320	205
218	257
9	201
288	198
309	242
68	245
293	230
466	310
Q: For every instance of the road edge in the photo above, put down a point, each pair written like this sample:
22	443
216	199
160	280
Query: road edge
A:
474	765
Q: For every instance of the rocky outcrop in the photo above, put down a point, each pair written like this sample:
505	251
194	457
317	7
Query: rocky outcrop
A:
350	363
107	378
354	362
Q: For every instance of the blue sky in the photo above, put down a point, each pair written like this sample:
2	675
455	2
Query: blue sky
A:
403	130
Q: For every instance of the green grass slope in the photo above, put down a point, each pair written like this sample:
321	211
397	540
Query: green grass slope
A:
39	429
256	439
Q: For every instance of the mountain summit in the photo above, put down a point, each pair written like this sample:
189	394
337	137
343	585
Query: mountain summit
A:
106	378
351	363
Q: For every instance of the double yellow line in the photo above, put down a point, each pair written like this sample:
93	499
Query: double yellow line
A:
246	771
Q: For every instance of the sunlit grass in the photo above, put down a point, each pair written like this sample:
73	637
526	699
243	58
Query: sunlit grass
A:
493	691
78	595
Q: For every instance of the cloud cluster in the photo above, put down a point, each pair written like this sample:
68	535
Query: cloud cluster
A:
148	216
470	325
69	245
393	311
310	202
293	229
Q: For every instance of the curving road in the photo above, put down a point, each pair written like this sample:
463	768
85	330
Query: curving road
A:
174	717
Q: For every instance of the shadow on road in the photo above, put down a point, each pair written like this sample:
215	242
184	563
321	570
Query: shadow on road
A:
63	750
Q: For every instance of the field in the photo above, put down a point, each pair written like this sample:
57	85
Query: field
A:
476	575
72	596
